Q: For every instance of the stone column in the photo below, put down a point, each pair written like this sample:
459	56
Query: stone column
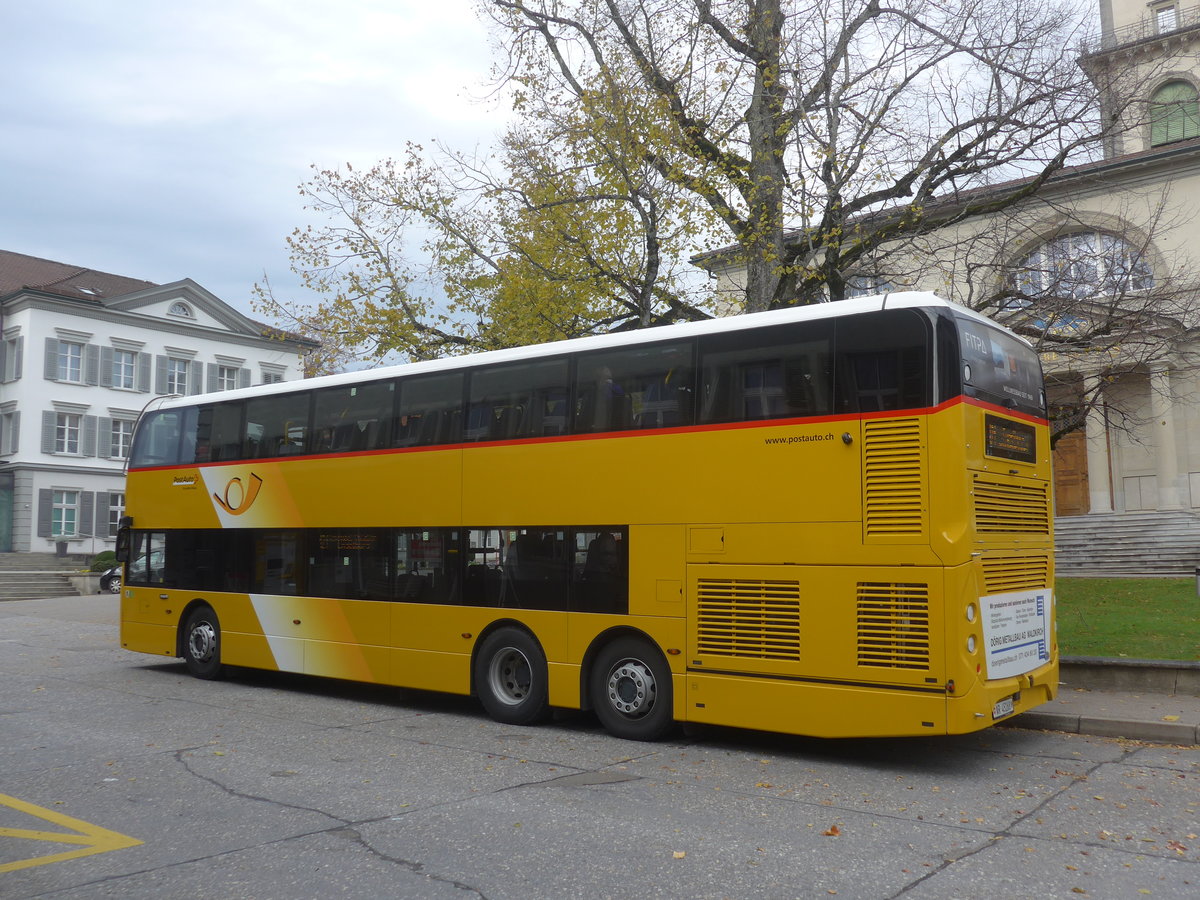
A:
1166	458
1099	490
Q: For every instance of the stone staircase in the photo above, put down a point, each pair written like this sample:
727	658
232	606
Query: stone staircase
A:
32	576
1150	543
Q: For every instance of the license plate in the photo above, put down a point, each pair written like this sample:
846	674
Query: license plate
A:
1003	708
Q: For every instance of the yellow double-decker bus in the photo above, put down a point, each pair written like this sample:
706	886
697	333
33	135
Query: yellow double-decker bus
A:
832	520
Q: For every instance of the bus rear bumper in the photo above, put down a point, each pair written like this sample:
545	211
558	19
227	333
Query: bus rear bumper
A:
988	702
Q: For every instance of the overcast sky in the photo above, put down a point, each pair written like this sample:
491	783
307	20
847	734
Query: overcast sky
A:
164	140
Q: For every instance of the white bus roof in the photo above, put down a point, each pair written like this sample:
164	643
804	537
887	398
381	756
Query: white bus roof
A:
718	325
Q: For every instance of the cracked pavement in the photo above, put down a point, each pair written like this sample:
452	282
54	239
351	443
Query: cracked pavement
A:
281	786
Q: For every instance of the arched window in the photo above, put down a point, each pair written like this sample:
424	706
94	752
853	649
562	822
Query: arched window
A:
179	308
1083	265
1174	113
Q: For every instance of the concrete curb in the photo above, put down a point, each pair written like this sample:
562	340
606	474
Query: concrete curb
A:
1152	676
1136	676
1157	732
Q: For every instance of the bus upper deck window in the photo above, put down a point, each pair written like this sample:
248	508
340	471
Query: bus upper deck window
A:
165	438
637	388
883	361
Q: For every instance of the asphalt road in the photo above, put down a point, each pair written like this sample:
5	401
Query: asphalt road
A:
120	776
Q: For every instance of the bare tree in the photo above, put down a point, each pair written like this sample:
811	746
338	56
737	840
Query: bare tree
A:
797	121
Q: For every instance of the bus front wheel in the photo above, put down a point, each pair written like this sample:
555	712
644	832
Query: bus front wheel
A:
202	643
631	690
511	679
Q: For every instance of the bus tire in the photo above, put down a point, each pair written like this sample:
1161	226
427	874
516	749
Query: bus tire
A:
202	643
631	690
511	677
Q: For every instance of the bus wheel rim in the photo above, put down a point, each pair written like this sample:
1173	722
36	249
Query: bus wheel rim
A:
510	676
202	642
631	689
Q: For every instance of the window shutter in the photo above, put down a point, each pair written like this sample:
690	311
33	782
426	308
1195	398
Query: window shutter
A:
87	443
196	378
104	429
102	501
49	421
10	440
91	364
143	373
50	370
106	364
211	381
45	505
4	361
243	378
87	512
20	354
160	374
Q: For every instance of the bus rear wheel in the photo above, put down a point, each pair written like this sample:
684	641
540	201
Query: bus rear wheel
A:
511	678
202	643
631	690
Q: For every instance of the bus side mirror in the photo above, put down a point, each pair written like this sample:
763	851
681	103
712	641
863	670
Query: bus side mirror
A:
124	534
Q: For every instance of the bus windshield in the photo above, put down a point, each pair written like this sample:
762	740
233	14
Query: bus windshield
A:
1000	368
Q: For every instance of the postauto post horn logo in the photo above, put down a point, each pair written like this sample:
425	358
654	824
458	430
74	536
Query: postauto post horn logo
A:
238	496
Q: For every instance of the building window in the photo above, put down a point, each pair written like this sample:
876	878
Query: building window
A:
124	369
66	433
116	509
1082	265
227	378
866	286
272	377
179	308
122	439
70	361
64	514
177	376
1174	113
1166	18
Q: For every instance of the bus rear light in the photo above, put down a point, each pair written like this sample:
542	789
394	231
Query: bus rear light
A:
970	612
970	643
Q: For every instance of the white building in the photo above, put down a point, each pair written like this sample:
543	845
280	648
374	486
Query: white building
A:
81	354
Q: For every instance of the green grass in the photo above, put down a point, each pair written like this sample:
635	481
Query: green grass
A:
1138	618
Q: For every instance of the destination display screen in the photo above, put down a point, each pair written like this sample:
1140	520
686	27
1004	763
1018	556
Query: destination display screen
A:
1000	368
1010	440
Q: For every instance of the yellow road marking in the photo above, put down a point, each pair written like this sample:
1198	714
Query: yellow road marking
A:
93	838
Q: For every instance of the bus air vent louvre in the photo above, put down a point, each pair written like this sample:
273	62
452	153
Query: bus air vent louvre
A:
1004	575
749	618
1006	508
893	625
894	500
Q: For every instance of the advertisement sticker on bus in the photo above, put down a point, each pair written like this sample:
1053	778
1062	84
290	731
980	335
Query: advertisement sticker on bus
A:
1016	632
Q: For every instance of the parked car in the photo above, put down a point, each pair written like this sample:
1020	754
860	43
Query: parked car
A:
110	580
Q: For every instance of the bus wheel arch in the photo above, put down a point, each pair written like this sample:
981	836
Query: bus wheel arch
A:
199	641
626	681
510	675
